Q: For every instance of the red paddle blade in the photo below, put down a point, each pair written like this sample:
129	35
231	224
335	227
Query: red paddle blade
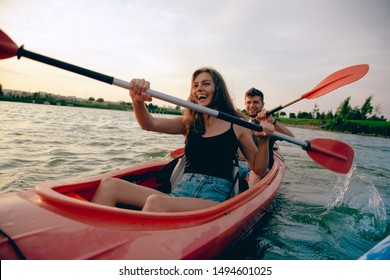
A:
177	153
337	79
7	47
331	154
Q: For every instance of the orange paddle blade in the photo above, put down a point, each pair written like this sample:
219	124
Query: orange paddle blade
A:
337	79
7	47
331	154
177	153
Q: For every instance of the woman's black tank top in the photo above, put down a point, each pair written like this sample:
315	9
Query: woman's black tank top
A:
211	155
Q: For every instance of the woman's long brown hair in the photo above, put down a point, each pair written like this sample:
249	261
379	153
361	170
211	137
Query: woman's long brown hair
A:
221	101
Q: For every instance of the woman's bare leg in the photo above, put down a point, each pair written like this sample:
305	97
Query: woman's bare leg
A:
112	191
166	203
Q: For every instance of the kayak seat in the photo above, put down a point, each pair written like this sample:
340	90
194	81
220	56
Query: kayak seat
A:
170	174
159	178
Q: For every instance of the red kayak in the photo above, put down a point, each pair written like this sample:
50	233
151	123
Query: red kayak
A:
57	221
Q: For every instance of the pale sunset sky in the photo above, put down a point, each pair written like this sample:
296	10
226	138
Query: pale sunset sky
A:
282	47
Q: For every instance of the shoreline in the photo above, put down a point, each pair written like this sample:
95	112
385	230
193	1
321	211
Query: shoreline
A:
178	112
313	127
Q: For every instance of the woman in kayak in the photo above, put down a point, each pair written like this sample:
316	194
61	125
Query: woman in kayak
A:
210	147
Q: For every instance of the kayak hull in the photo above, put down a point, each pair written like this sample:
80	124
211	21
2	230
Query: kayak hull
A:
380	251
56	221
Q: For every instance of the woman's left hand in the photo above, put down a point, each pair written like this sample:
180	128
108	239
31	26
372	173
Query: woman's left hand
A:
138	88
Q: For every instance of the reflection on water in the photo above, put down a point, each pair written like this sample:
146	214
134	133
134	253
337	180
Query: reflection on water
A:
316	215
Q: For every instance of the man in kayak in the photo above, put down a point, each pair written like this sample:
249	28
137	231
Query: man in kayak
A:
210	146
254	105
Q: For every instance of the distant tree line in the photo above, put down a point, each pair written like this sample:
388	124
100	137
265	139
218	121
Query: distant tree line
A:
344	111
91	102
367	119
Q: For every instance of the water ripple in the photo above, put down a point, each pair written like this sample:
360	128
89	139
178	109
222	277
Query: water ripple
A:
316	215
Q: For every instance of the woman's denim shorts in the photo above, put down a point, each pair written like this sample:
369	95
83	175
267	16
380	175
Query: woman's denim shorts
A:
202	186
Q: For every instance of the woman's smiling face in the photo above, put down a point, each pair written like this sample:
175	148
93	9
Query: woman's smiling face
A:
203	88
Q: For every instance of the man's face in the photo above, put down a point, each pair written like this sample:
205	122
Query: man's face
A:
253	105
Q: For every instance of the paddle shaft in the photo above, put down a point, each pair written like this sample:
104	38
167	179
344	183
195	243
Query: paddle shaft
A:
123	84
63	65
337	79
280	107
315	151
159	95
192	106
211	112
303	96
306	145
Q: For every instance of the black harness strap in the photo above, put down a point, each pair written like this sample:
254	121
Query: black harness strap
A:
235	178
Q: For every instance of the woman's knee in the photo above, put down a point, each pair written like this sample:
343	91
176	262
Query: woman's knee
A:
105	192
155	203
107	182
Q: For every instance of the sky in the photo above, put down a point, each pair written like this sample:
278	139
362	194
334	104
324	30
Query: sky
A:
282	47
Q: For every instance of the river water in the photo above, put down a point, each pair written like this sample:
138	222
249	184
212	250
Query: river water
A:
317	215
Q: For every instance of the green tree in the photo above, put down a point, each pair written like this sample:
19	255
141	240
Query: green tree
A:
355	114
101	100
344	108
1	90
36	95
320	116
282	114
292	116
304	115
329	115
91	99
366	108
151	107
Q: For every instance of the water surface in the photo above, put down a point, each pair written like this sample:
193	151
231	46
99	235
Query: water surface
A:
317	215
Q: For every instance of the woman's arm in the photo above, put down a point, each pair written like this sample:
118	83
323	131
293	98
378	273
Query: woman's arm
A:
257	157
148	122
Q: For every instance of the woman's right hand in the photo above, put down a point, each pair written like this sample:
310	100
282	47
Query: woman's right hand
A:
266	133
138	89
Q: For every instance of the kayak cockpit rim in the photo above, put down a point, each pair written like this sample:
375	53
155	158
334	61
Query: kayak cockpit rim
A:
52	194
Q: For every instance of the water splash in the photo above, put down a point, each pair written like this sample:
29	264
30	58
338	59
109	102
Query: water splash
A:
340	188
354	191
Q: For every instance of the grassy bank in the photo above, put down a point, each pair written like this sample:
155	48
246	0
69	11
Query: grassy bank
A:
89	104
361	127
